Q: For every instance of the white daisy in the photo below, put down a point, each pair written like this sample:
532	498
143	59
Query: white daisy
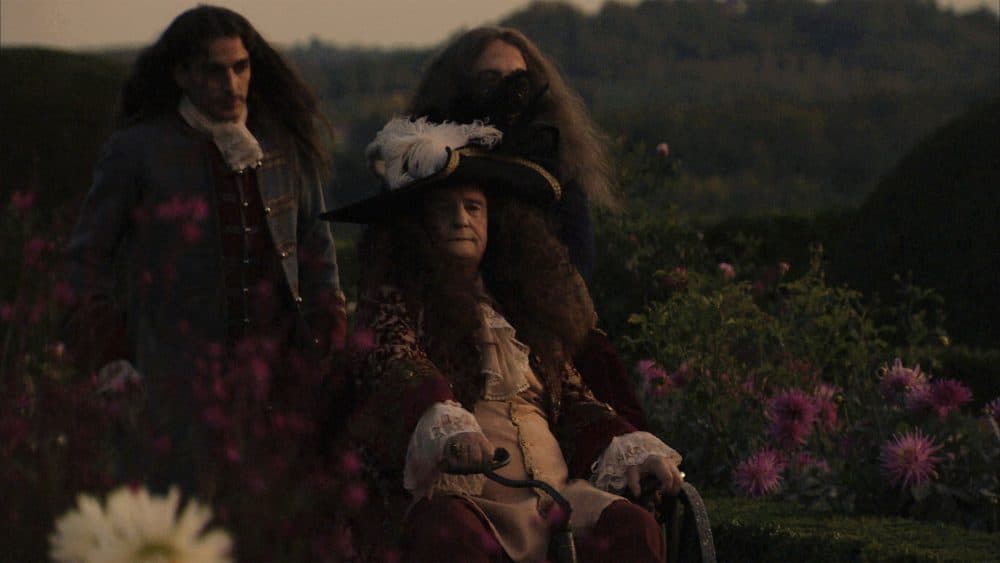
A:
136	527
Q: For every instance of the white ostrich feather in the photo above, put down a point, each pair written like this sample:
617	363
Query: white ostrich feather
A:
406	150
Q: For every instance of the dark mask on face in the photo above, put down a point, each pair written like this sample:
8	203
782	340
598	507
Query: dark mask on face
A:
501	100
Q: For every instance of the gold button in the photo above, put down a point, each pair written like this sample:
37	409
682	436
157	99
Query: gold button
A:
267	211
298	299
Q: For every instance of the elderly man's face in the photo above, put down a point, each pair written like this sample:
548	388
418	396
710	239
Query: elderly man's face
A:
218	82
458	222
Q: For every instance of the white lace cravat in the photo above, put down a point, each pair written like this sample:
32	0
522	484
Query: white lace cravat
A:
239	147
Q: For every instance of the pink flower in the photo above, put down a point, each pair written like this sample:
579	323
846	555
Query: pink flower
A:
663	150
355	496
677	278
941	396
728	271
824	397
197	208
656	380
783	268
760	474
351	462
170	210
792	414
898	380
909	459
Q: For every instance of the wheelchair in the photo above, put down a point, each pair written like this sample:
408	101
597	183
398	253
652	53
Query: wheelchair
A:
683	519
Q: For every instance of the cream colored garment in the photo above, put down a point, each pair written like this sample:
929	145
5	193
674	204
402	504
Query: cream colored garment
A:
512	416
237	144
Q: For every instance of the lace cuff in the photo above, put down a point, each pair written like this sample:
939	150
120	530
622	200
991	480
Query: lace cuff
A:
426	448
608	472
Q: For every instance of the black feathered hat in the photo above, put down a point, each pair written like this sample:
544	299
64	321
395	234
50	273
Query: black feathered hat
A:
412	155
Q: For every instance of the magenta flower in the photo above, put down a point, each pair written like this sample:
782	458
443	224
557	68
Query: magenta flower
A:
792	414
941	396
350	463
676	278
899	380
656	381
909	459
728	271
355	496
783	268
663	150
760	474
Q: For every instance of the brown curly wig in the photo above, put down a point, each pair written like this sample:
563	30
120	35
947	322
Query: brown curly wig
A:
525	270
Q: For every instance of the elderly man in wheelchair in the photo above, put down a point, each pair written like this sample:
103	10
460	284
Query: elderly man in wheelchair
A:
476	313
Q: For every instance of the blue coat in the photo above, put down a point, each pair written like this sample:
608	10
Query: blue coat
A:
170	283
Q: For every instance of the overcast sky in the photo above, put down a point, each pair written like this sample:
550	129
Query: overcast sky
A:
76	24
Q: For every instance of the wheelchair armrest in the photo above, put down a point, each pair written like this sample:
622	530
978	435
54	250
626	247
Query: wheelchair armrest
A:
687	527
683	517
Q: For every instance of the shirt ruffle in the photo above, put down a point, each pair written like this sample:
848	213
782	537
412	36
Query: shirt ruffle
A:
608	472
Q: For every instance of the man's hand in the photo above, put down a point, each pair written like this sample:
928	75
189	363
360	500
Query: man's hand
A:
468	451
671	478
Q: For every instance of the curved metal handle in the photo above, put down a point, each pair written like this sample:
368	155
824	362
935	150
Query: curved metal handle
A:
501	458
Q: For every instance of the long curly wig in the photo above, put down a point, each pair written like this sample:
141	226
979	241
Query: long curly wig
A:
525	270
278	98
582	154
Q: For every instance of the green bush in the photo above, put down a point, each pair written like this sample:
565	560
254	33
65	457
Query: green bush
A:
779	531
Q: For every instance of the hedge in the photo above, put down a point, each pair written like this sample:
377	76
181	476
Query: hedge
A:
762	530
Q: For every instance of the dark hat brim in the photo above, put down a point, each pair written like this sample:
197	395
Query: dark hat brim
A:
496	174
